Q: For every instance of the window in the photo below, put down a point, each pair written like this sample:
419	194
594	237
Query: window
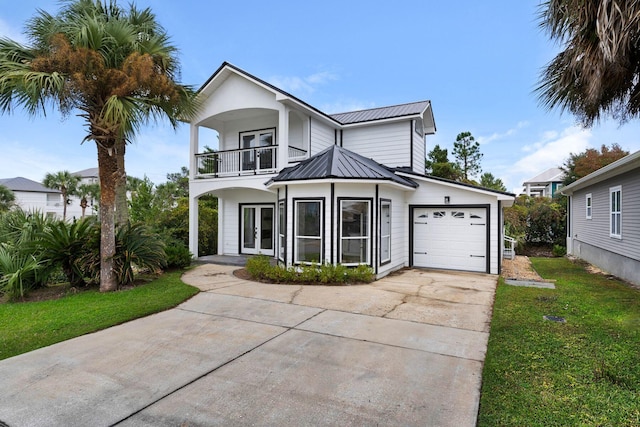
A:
457	214
439	214
282	230
588	205
385	231
308	231
354	231
615	209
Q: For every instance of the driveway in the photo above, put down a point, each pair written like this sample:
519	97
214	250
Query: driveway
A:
405	350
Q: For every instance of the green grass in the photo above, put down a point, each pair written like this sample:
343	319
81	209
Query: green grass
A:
28	326
585	372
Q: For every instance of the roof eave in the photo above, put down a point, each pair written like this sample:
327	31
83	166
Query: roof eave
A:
625	164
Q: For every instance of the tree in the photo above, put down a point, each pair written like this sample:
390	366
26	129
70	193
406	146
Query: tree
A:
590	160
598	72
6	198
487	180
87	192
437	164
64	181
117	67
181	180
467	153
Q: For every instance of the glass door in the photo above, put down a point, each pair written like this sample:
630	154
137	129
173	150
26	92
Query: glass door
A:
257	229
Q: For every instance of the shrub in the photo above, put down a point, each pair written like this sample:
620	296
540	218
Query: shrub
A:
559	250
178	255
260	268
17	272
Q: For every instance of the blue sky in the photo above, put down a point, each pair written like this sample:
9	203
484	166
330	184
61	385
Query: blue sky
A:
478	63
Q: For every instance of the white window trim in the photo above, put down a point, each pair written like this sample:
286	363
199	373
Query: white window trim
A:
382	236
612	213
296	236
367	237
588	205
282	231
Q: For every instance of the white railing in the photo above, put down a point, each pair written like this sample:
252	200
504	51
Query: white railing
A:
509	247
297	154
247	161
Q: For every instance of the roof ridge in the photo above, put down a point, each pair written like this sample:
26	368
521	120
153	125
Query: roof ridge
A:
379	108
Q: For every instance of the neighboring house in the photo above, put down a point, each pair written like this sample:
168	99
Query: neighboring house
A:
604	218
33	196
74	210
304	186
546	184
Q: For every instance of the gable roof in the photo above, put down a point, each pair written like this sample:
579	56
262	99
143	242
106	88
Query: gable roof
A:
339	163
550	175
347	118
23	184
623	165
373	114
87	173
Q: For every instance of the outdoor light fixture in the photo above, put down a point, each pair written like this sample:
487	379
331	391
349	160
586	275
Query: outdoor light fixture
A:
447	199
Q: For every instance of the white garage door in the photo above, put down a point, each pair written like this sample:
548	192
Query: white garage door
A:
451	238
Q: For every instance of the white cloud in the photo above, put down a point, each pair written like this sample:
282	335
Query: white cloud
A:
8	31
497	136
302	85
550	151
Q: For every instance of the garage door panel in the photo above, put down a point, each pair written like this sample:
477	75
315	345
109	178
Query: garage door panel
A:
450	238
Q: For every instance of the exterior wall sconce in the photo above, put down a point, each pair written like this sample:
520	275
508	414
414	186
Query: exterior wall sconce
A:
447	200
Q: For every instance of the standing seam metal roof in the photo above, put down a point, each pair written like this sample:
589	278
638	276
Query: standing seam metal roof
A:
340	163
23	184
381	113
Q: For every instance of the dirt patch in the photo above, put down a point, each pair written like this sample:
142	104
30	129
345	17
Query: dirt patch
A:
242	273
520	268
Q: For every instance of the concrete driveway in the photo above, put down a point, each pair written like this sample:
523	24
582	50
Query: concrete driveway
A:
406	350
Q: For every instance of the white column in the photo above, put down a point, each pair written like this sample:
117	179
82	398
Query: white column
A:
220	250
283	137
193	226
193	150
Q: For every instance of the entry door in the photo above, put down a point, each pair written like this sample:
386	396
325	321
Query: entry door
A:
257	229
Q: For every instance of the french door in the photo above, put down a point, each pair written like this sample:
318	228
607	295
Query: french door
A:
257	229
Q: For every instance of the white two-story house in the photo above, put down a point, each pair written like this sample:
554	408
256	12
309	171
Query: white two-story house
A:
300	185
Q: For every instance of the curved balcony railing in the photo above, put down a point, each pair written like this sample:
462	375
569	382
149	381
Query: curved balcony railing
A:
246	161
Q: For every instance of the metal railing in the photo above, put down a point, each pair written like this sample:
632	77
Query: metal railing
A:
246	161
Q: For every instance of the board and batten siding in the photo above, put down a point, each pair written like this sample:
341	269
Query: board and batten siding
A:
322	136
595	231
389	143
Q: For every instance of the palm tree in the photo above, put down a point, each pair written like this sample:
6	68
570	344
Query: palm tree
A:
87	192
64	181
598	72
6	198
117	67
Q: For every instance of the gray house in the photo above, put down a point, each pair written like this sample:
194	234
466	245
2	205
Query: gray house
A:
604	218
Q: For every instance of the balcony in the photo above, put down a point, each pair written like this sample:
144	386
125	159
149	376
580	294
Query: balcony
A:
246	161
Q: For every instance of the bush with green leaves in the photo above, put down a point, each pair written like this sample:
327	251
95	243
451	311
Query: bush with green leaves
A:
536	220
18	272
259	268
177	254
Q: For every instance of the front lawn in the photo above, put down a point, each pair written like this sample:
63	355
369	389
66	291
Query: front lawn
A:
583	372
31	325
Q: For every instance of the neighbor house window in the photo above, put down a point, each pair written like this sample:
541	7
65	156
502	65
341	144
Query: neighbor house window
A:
308	231
282	229
615	209
355	231
589	205
385	231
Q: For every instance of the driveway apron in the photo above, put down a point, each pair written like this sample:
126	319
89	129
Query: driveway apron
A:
405	350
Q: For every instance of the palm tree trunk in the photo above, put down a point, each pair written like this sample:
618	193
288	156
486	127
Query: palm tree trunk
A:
122	210
108	172
64	205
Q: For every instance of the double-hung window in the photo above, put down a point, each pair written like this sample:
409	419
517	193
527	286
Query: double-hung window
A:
308	231
615	212
385	231
589	205
355	232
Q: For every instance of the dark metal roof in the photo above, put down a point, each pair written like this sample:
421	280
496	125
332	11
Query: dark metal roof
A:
24	184
339	163
382	113
408	171
87	173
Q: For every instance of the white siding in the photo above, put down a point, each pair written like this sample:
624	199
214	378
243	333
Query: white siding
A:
389	144
35	201
399	230
418	153
432	193
230	138
322	136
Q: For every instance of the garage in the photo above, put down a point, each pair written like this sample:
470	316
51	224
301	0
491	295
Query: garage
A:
450	237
